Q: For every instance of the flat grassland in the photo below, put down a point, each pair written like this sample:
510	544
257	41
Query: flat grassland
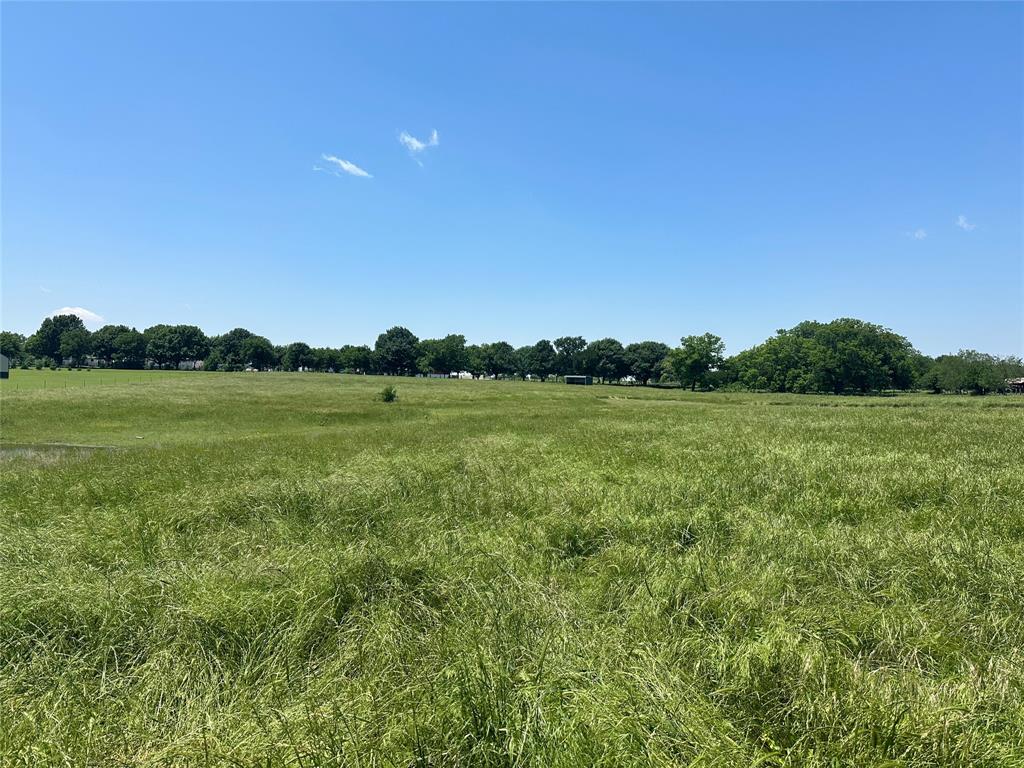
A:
81	378
278	569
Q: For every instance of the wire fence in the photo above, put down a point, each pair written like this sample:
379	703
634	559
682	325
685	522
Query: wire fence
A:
74	381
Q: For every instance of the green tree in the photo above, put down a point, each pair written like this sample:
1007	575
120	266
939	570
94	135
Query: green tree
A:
568	354
325	359
174	344
356	359
541	359
239	348
298	355
226	350
499	359
784	363
523	361
13	346
257	352
160	344
396	351
75	345
447	355
45	343
190	344
973	372
845	355
644	359
104	341
694	359
129	349
920	365
605	359
475	359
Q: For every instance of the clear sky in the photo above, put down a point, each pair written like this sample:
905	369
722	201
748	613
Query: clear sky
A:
636	171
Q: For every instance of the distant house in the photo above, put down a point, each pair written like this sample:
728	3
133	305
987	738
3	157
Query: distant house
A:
1016	385
579	379
5	367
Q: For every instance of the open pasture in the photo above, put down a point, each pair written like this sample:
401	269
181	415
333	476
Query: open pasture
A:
278	569
26	380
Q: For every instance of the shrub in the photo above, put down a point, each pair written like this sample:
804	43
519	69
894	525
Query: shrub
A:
388	395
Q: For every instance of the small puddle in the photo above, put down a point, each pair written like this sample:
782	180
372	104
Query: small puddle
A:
48	453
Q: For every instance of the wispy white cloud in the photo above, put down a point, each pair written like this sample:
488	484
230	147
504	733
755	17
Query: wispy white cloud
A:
414	145
88	316
336	164
917	234
44	289
964	224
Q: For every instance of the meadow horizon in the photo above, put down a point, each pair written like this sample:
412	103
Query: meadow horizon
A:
512	385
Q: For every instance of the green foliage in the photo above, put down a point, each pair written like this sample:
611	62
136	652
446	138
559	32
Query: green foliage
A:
389	394
75	345
226	351
569	354
475	362
604	359
693	361
356	359
536	360
445	355
104	342
971	372
844	355
160	344
396	351
499	359
523	358
239	349
259	353
174	344
645	360
298	355
541	359
13	346
45	343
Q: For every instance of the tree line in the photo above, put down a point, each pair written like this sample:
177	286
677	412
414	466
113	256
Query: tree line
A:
842	356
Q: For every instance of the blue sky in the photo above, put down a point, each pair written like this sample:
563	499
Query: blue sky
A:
636	171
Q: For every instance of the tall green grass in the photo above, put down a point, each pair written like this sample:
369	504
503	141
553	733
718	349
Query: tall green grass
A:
283	570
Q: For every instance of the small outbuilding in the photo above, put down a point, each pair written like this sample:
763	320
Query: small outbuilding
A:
572	379
5	367
1016	385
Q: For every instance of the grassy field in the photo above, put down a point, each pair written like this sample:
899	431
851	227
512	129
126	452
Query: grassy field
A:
81	378
269	570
